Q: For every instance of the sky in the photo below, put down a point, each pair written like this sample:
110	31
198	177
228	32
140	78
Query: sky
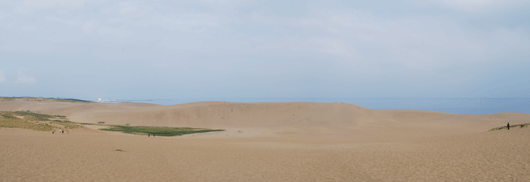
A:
265	49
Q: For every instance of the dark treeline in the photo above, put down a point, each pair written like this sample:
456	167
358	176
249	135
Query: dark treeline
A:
51	98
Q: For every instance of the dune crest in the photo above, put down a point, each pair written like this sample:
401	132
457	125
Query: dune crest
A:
290	117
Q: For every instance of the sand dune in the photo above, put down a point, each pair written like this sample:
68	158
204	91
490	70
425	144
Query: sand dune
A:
293	117
279	142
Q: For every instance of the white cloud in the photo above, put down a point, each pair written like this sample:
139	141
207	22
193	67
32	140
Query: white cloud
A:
239	35
479	5
24	78
2	77
354	36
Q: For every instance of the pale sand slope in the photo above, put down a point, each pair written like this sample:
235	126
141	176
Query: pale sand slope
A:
40	156
321	142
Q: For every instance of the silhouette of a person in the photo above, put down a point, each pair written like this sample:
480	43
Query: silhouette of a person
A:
508	125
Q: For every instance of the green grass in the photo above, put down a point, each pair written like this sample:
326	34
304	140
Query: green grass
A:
34	121
19	123
160	131
42	122
7	115
511	126
36	116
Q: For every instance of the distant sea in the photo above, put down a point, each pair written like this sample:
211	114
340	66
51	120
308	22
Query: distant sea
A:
446	105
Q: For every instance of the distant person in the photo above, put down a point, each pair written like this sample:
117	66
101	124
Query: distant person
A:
63	131
522	125
67	131
60	131
508	125
53	131
148	135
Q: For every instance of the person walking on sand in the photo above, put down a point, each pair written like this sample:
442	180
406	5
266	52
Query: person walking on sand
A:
53	131
508	125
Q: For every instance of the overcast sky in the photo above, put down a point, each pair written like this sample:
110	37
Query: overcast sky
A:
265	49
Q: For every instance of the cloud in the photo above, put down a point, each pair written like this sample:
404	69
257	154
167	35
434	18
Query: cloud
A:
363	37
368	42
2	77
24	78
479	5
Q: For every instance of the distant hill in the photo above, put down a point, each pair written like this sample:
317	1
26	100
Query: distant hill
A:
307	118
42	99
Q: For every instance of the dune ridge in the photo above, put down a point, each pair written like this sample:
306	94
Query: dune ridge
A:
299	116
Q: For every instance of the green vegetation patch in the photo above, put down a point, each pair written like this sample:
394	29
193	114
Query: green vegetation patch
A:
160	131
511	126
20	123
34	116
34	121
7	115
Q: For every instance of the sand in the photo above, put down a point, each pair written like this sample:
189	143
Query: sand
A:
267	142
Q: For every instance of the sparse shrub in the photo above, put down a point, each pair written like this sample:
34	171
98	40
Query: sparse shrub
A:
511	126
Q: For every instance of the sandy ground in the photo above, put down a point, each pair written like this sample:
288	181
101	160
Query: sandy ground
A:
267	142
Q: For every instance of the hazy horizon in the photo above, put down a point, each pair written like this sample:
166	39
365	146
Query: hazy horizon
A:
445	105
